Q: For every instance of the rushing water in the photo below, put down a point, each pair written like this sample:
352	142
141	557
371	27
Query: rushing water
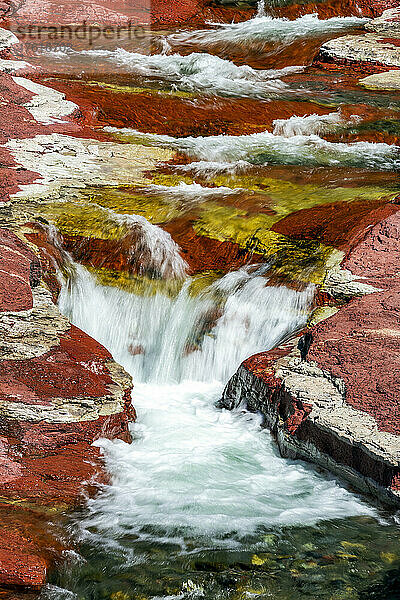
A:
265	28
201	504
195	470
196	478
297	148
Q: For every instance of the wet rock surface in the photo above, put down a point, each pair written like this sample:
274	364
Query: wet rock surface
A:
388	23
389	80
60	390
378	48
372	49
339	409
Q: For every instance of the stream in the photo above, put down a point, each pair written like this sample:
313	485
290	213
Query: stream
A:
201	504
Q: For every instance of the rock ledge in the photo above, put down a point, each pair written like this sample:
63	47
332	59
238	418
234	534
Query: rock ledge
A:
340	409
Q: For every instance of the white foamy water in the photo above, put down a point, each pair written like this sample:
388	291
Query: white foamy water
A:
244	316
288	147
189	192
151	248
193	470
186	196
264	28
197	72
261	9
311	124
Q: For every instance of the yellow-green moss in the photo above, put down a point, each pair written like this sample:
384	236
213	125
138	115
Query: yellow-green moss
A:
226	223
87	220
156	209
287	197
321	313
141	286
170	179
127	89
200	283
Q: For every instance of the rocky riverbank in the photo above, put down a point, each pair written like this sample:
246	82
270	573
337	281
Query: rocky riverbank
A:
339	408
61	390
377	50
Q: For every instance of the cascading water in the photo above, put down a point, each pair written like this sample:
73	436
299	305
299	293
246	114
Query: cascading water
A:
291	146
197	72
189	337
208	74
201	486
193	470
266	29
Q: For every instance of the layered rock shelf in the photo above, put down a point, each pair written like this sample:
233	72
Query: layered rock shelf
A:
339	409
377	50
60	390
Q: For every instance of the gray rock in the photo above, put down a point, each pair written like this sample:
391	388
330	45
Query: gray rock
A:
388	24
362	48
389	80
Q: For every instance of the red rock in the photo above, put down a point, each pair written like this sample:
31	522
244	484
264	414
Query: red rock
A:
48	464
27	550
375	8
21	569
340	224
361	342
17	263
203	253
153	113
55	374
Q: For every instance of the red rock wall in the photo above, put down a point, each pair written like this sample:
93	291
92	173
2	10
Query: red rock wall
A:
360	344
45	464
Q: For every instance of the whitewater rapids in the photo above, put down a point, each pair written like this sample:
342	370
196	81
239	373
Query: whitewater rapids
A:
194	471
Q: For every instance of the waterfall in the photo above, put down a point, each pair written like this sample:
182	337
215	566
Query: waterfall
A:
196	476
193	471
260	9
195	337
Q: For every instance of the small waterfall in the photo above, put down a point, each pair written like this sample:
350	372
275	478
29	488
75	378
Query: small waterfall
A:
194	337
260	9
311	124
264	29
197	72
194	472
196	476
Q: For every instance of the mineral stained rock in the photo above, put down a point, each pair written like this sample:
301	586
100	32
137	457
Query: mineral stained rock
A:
59	391
387	24
340	408
376	49
370	50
